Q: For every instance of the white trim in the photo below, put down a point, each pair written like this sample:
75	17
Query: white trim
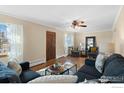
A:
116	18
105	30
64	55
37	61
31	20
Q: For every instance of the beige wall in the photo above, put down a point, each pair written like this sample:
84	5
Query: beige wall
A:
118	36
35	39
101	37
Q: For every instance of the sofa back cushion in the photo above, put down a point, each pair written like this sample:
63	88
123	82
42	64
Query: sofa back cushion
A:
114	66
100	60
110	59
15	66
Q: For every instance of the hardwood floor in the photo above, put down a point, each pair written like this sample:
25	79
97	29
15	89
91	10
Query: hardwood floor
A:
76	60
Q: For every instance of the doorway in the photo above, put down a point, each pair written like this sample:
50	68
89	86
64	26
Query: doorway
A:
50	45
90	42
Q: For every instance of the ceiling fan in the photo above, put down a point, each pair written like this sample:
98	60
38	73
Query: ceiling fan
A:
78	23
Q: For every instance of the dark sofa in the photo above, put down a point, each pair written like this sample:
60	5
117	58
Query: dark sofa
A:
8	75
113	67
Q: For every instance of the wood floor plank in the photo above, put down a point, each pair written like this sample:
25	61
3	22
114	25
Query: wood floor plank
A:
76	60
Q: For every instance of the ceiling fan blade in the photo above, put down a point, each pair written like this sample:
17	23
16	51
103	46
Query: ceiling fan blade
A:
78	23
81	22
83	25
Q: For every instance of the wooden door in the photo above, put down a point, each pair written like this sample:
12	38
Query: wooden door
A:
50	45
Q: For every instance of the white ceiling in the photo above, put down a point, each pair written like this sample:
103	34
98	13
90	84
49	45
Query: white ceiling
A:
97	18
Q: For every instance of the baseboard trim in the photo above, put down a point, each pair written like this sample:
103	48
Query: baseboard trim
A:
64	55
37	61
41	61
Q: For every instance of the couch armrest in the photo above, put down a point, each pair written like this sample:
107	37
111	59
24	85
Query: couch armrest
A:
25	65
90	62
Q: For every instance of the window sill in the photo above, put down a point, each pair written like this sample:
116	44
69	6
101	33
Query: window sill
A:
3	55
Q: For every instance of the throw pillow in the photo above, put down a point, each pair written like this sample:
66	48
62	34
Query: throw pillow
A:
93	49
100	60
55	79
15	66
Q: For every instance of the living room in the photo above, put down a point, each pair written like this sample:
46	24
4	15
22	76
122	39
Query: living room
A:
27	32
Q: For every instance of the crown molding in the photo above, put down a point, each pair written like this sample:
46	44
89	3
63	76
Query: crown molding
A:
32	20
104	30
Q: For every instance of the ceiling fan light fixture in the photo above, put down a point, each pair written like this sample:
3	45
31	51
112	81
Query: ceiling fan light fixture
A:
78	23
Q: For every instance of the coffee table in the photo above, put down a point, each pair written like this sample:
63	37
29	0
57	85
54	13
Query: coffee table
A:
61	70
65	69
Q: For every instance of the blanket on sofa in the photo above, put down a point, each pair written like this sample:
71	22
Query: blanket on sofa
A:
8	75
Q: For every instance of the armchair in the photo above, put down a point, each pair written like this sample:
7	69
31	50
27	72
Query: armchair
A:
92	52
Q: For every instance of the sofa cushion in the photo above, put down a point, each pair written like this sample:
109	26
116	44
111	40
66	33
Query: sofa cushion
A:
114	65
25	65
55	79
15	66
113	79
110	59
28	75
83	76
100	60
115	68
90	70
87	72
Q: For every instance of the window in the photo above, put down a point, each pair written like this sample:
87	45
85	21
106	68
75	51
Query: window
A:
15	37
4	44
11	41
69	41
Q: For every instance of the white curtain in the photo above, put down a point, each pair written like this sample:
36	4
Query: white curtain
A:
15	36
69	41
